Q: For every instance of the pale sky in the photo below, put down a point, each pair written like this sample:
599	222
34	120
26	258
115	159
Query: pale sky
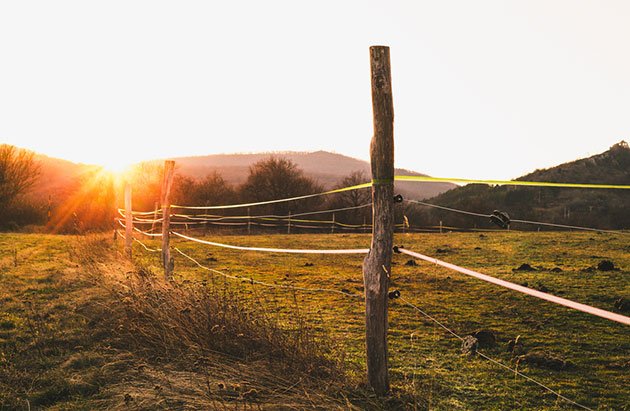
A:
482	89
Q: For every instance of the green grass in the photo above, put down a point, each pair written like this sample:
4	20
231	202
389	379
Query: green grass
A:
55	349
426	359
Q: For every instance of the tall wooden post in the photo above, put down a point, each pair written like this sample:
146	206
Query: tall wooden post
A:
128	220
169	168
377	264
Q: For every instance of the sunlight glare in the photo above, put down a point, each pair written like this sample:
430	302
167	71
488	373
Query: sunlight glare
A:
116	166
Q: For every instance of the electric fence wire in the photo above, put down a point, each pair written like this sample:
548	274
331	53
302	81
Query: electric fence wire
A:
213	217
153	250
252	281
427	179
282	200
347	294
516	287
275	250
515	371
455	210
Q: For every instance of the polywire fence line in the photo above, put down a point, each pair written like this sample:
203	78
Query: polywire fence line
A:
477	352
525	290
427	179
282	200
424	179
455	210
147	247
251	280
332	210
275	250
354	295
266	284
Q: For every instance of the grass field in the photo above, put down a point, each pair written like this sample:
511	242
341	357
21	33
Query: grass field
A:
585	358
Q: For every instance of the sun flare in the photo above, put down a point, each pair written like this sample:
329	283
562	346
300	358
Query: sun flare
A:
116	168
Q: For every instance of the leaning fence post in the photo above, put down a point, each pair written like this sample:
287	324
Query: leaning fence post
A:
169	167
128	220
377	264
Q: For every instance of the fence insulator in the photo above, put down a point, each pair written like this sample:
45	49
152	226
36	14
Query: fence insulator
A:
393	294
500	218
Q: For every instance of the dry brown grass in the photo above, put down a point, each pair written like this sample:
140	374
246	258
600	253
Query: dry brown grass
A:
190	345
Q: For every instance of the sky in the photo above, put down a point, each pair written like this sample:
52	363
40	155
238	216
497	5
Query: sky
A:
483	89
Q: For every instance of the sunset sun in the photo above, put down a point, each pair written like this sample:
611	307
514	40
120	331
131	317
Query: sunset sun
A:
115	166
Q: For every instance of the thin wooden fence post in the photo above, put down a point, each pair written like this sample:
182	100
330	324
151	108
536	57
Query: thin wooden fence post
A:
249	222
155	216
377	264
128	220
167	182
289	226
332	226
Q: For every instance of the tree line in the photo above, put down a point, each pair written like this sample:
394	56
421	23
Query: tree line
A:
90	202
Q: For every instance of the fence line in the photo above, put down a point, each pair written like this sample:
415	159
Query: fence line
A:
275	250
354	295
252	281
455	210
535	293
512	370
283	200
427	179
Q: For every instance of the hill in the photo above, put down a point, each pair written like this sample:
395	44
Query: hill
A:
325	167
605	209
58	177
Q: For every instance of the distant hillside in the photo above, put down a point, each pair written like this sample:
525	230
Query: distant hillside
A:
58	177
599	208
325	167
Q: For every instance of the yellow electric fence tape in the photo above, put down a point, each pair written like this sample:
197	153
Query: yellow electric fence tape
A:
428	179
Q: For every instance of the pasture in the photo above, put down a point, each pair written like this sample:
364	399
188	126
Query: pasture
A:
582	357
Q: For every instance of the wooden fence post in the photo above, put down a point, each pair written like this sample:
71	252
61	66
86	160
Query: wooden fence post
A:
155	216
289	226
169	167
249	222
128	220
332	226
377	264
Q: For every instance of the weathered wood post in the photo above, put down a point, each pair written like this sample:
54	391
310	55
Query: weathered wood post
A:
377	264
128	219
289	226
332	226
249	222
169	168
155	216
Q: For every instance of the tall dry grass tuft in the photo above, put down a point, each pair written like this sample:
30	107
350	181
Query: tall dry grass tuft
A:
171	320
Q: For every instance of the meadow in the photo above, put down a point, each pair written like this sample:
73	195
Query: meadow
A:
46	282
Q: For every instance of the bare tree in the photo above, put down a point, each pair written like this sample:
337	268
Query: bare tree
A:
18	173
352	198
277	178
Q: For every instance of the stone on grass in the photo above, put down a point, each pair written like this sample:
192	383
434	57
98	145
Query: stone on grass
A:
469	345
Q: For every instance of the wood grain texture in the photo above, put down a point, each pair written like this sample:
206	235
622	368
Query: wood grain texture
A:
377	264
